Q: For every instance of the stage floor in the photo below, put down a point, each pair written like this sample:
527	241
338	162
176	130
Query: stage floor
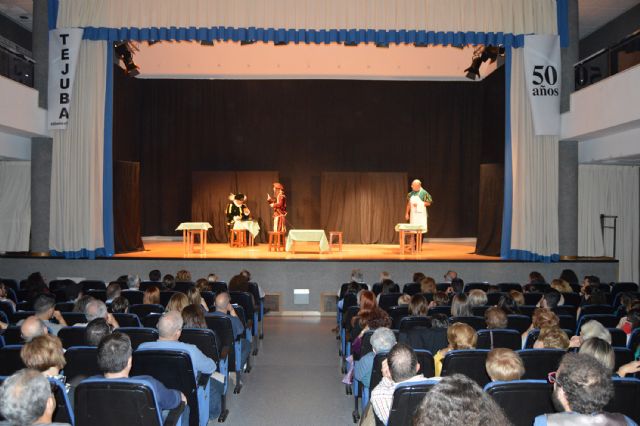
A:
431	251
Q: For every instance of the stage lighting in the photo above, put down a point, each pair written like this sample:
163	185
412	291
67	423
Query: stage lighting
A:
482	54
123	50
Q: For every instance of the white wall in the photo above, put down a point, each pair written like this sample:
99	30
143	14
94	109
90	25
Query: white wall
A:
14	147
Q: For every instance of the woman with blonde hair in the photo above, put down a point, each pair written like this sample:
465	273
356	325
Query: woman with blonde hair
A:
477	297
151	296
459	336
517	296
561	285
552	338
541	318
418	305
428	285
45	354
195	298
460	306
183	276
177	303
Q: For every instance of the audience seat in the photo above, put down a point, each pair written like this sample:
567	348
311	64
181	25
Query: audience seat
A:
623	287
209	298
406	399
12	335
597	309
522	400
493	298
219	287
538	363
532	298
445	310
230	348
72	318
527	310
139	335
388	300
479	311
626	397
65	306
499	338
10	360
144	285
6	308
135	400
18	316
183	286
569	310
127	320
618	337
72	336
572	299
507	287
484	286
165	296
413	321
532	336
568	322
609	321
623	356
98	294
134	297
518	322
618	295
477	323
142	310
151	320
397	313
471	363
377	288
82	362
92	285
634	339
175	370
411	288
343	289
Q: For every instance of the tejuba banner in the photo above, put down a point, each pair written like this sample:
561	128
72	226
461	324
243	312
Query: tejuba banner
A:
64	46
542	72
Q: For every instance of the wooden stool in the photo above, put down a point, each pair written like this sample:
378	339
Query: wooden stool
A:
276	241
413	245
238	238
331	243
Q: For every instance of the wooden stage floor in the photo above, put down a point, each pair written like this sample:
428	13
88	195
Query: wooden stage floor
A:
431	251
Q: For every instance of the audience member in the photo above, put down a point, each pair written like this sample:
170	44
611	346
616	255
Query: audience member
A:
4	295
35	286
151	296
418	305
168	282
581	389
113	291
495	317
440	299
382	340
26	399
45	354
418	277
459	336
561	285
45	308
177	302
431	338
450	276
369	317
155	276
401	366
536	278
202	284
193	317
588	330
183	276
114	360
247	275
32	327
404	300
385	287
225	308
457	286
541	318
458	401
477	297
517	296
604	353
461	306
508	304
551	300
195	298
631	321
239	283
504	364
212	278
428	285
120	305
81	303
552	337
569	276
133	282
96	330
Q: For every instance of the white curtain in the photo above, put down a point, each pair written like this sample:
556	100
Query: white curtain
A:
507	16
15	205
77	163
613	191
534	219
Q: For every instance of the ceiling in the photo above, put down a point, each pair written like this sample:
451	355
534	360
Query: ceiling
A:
593	13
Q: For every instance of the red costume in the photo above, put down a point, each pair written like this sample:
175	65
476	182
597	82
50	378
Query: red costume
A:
279	204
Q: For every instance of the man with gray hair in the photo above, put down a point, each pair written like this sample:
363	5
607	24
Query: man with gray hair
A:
170	329
417	202
382	340
98	309
32	327
26	399
224	308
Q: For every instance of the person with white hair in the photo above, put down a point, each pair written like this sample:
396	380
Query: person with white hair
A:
32	327
98	309
382	340
589	330
224	308
26	399
417	202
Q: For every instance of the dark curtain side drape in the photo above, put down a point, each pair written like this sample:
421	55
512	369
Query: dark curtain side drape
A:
364	206
209	199
490	209
126	206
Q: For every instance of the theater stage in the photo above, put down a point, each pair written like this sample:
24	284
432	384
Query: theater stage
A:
431	251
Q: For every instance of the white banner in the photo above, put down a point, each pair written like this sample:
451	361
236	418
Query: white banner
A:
64	46
542	73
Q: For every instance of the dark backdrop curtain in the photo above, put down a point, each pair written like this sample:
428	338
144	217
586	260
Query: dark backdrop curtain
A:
126	206
437	131
490	209
210	191
364	206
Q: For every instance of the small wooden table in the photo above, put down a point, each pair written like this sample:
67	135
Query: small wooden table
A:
414	234
316	236
189	232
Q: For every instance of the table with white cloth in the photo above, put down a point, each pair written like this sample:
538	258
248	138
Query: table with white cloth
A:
248	225
414	232
307	236
189	232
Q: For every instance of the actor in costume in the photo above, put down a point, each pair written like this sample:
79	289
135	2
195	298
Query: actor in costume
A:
279	204
237	209
417	202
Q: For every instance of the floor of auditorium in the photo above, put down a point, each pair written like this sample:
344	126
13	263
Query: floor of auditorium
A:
296	378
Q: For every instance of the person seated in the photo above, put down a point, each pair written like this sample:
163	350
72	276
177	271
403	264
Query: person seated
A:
245	273
450	276
477	297
120	305
35	286
151	296
504	365
212	278
552	337
32	327
44	306
561	286
541	318
382	340
114	360
508	304
177	303
428	285
26	399
551	300
236	210
224	308
169	330
97	309
45	354
96	330
183	276
113	290
495	318
203	284
416	278
418	306
81	303
459	336
457	400
628	301
439	299
631	321
195	298
401	366
404	300
431	338
569	275
155	276
517	296
193	317
461	306
588	330
369	317
4	295
384	277
168	282
457	286
535	278
581	389
385	287
604	353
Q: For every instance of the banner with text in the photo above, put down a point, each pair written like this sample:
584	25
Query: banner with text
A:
542	71
64	47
